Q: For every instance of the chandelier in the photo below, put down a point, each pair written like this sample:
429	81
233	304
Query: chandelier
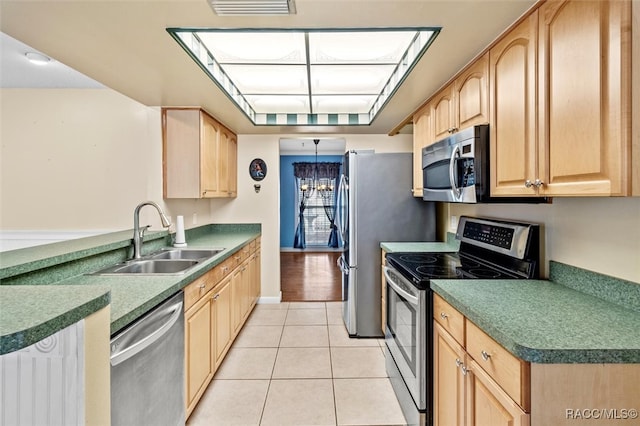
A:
322	186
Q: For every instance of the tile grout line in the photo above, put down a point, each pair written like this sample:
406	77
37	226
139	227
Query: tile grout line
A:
266	397
333	382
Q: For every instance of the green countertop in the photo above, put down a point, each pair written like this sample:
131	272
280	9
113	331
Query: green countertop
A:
30	313
32	309
451	245
545	322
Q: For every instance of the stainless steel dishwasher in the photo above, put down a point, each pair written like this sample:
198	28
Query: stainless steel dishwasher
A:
147	369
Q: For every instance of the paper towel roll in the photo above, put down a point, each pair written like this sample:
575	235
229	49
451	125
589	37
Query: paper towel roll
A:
180	239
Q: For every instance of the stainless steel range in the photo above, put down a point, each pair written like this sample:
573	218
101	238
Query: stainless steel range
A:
489	249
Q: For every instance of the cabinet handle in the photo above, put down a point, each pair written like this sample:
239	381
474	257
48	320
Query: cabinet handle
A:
458	362
485	355
216	297
202	287
443	315
537	183
452	129
465	370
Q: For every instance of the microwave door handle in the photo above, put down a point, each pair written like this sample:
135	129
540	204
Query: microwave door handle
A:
410	298
452	179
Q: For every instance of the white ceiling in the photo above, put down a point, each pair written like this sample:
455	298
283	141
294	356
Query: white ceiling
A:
123	44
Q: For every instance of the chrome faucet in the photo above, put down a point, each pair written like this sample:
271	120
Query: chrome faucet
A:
138	233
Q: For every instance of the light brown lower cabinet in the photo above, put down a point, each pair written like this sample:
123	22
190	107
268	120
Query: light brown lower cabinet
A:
216	307
464	394
199	340
477	382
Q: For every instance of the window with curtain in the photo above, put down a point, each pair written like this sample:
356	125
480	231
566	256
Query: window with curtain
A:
316	204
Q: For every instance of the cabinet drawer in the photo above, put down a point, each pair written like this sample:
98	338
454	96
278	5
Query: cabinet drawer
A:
449	318
198	288
227	266
511	373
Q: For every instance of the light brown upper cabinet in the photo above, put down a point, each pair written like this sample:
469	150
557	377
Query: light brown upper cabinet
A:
443	115
199	155
513	118
422	136
580	144
461	104
471	105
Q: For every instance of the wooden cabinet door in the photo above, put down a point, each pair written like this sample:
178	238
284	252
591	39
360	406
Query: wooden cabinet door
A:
210	145
513	137
472	95
422	136
222	320
487	403
236	300
254	279
584	75
232	165
257	278
443	116
448	381
198	342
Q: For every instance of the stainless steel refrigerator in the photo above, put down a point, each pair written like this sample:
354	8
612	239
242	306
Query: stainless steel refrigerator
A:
375	204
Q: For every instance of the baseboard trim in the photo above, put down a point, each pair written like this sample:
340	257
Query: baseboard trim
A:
270	300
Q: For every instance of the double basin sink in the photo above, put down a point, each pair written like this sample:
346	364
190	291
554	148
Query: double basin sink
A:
164	262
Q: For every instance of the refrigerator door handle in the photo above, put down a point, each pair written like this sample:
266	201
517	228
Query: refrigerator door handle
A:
342	265
342	206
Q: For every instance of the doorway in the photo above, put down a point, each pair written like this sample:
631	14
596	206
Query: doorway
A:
308	272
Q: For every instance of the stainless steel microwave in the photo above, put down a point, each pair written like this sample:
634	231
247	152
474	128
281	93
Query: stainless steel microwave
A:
456	170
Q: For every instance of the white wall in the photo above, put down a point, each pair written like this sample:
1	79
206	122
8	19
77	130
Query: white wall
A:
80	159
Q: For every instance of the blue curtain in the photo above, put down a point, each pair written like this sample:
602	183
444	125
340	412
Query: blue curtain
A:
299	238
308	172
330	204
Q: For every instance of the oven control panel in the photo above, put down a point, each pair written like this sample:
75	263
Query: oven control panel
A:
489	234
509	238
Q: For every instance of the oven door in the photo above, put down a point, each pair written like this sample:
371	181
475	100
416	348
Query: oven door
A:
406	333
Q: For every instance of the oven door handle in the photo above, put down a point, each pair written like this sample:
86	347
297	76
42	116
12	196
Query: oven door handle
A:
452	180
409	297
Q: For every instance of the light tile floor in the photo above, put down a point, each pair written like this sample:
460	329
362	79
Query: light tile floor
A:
294	364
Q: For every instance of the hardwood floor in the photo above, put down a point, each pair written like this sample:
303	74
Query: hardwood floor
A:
310	276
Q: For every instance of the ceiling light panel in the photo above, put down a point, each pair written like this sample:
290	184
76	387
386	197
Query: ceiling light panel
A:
354	79
346	47
307	77
343	104
266	104
257	47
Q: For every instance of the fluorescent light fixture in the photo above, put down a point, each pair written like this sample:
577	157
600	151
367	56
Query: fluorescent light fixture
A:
37	58
253	7
314	77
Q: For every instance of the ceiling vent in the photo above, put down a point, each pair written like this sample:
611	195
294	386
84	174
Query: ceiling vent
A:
253	7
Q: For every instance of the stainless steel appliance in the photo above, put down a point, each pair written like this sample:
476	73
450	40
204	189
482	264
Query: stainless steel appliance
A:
489	249
456	170
147	368
375	204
